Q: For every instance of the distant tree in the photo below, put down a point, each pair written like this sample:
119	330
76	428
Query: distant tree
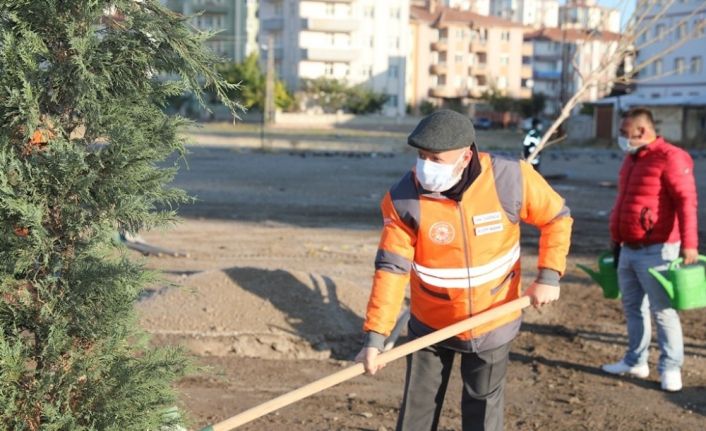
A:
251	80
84	144
333	95
426	107
362	100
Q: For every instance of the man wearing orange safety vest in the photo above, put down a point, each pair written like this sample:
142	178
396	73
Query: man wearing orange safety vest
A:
452	232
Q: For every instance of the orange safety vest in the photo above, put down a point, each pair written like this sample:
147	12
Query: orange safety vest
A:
462	258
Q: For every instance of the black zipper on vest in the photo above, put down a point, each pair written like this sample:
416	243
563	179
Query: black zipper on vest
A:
467	256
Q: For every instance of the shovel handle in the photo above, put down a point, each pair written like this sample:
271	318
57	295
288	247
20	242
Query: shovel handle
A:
358	369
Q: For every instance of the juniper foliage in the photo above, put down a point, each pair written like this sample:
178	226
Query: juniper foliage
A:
83	144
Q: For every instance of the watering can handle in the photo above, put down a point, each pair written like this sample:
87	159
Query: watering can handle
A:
679	260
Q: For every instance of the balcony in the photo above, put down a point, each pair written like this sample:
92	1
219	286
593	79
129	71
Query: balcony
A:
478	69
333	25
546	75
273	24
478	46
527	49
440	45
438	69
446	92
526	71
342	55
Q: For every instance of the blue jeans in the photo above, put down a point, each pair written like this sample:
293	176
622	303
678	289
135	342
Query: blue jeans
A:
642	296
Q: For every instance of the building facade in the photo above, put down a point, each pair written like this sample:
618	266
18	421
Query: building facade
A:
588	15
235	21
671	78
562	57
357	41
532	13
459	55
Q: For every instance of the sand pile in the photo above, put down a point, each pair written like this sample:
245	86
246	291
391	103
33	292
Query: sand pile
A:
257	312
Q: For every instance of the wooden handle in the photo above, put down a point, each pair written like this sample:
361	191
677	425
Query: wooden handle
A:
358	369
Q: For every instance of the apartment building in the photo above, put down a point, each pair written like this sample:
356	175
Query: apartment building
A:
458	55
358	41
588	15
672	79
561	57
481	7
533	13
235	20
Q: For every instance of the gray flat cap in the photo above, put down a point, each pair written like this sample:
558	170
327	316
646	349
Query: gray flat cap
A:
443	130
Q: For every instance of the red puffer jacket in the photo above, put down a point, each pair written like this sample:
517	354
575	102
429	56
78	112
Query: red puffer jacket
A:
656	200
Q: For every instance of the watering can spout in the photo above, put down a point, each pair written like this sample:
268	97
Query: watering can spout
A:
668	286
606	276
595	275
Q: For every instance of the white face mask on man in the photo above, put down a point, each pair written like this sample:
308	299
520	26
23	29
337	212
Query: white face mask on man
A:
438	177
624	144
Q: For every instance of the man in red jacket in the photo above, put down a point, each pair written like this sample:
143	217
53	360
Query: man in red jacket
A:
653	220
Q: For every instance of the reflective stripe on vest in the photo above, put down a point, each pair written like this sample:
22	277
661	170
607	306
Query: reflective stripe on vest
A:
453	278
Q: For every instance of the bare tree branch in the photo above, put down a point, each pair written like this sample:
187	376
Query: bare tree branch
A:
643	20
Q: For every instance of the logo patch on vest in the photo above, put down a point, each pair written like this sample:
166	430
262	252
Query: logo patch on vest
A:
484	230
441	232
486	218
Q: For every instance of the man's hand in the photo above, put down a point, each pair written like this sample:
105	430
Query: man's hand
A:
542	294
691	255
368	356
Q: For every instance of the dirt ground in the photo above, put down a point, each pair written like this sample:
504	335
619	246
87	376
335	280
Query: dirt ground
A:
271	296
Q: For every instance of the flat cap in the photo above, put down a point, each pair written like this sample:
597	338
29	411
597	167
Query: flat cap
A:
443	130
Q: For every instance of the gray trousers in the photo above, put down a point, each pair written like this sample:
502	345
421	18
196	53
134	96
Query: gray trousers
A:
482	402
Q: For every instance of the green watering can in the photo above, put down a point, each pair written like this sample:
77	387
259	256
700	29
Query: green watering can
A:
686	285
606	277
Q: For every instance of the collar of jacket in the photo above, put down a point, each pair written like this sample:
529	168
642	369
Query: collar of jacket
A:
646	149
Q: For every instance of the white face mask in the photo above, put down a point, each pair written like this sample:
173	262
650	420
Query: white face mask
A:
438	177
624	144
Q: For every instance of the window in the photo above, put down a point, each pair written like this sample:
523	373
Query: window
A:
526	60
393	71
505	36
460	33
458	58
696	65
278	8
679	65
502	82
659	31
505	60
392	100
328	69
699	27
658	67
681	31
330	9
369	12
330	38
395	13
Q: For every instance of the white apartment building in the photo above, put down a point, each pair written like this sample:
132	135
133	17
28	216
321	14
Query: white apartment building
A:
588	15
673	86
481	7
533	13
358	41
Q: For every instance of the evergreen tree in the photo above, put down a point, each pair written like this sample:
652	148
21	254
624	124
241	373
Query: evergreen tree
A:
83	139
